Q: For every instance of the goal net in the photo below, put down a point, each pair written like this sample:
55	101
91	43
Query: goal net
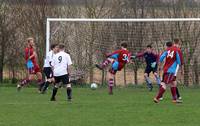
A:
88	40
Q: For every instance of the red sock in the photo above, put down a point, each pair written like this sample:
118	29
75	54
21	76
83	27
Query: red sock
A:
173	91
105	63
160	93
111	82
25	82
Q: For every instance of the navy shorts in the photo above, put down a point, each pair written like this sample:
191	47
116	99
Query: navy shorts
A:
48	72
149	69
64	79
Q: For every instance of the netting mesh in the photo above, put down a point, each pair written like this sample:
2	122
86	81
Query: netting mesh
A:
87	43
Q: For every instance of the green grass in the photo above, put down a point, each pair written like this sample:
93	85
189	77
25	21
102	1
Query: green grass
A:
127	107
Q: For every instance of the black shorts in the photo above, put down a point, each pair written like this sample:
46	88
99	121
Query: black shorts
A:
48	72
64	79
149	69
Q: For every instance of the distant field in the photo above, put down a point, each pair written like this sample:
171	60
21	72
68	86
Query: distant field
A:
127	107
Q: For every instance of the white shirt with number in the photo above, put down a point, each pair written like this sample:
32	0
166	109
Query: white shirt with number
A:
60	63
48	59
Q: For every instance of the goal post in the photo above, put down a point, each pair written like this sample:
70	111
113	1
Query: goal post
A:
88	39
49	20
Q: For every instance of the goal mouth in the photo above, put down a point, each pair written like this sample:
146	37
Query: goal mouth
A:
88	40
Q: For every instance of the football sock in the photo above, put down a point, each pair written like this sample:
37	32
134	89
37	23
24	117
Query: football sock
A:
69	93
111	84
160	93
158	80
24	82
46	85
177	93
40	84
173	91
148	81
105	63
55	89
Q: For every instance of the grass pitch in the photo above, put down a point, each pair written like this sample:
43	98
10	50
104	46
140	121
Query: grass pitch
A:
127	107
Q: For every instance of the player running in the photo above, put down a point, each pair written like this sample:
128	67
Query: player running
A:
48	67
151	59
61	69
172	60
118	59
32	66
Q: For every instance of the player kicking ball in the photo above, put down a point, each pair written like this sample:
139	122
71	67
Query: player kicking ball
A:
151	59
172	60
118	59
48	67
61	69
32	66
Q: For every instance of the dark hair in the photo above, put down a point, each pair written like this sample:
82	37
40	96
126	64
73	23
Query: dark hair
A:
149	46
169	44
176	41
124	45
61	46
67	51
53	46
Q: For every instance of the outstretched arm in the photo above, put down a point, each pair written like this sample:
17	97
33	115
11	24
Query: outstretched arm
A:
140	54
115	52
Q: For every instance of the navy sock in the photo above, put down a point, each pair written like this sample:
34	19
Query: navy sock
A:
177	93
41	86
54	92
69	93
45	86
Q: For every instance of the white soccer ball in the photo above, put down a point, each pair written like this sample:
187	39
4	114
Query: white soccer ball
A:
93	86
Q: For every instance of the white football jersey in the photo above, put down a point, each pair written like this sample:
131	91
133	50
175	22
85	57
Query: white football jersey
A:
48	59
60	63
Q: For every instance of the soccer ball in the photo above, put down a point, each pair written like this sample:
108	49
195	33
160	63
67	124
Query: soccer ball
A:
93	86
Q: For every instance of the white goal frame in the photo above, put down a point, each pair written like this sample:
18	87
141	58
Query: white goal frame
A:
49	20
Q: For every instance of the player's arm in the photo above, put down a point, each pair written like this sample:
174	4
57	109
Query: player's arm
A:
182	61
163	56
156	55
53	62
50	59
33	55
115	52
161	59
26	54
178	59
130	57
69	64
140	54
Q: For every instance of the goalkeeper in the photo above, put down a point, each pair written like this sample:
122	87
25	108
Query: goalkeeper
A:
151	59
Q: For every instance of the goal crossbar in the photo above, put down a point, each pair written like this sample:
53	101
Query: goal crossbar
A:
109	20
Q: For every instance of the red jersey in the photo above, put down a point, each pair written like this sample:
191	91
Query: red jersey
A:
172	59
28	52
122	56
180	54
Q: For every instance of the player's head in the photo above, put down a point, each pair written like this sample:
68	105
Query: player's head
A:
124	45
55	48
169	44
61	47
30	42
149	48
177	42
